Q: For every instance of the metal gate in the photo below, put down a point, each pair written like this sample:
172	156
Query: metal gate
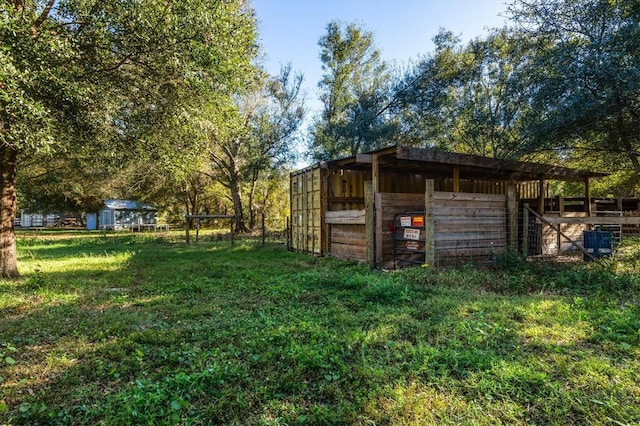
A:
409	239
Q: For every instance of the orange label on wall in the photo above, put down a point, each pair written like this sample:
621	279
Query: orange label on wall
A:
418	220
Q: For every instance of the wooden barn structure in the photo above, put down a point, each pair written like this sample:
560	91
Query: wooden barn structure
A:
403	205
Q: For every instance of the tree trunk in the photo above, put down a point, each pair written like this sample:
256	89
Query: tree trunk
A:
194	204
635	162
236	196
252	194
8	257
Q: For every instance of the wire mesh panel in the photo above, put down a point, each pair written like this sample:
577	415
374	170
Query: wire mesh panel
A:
469	228
614	229
630	230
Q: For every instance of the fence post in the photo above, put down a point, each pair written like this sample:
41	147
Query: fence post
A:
429	223
264	231
288	233
541	196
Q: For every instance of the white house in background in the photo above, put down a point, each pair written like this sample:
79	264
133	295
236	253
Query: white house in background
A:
119	214
38	220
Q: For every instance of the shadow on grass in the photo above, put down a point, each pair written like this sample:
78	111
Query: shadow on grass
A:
167	334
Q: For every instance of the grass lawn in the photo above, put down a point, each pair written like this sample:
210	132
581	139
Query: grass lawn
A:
136	329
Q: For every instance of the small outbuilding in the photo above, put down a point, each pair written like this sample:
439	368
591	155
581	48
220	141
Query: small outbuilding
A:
401	205
127	214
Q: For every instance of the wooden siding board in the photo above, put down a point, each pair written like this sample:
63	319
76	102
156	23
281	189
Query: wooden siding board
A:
470	213
349	252
349	231
345	217
348	242
465	196
465	220
496	235
448	225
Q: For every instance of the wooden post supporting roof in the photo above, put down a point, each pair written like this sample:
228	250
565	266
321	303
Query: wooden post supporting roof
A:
512	215
370	224
429	223
377	197
587	197
560	205
541	196
456	179
375	173
560	201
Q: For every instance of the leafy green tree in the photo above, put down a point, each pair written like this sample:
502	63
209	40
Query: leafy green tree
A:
584	78
49	183
465	98
272	198
254	134
491	101
355	93
275	126
79	73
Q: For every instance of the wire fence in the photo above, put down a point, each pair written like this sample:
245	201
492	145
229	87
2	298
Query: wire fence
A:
565	239
472	235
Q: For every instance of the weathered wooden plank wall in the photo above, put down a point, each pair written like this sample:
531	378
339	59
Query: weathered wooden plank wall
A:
348	242
468	227
346	187
347	238
408	183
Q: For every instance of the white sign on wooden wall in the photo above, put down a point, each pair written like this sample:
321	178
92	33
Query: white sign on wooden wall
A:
411	234
405	220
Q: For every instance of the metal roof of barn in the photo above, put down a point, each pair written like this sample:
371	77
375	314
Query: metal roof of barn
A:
127	205
438	163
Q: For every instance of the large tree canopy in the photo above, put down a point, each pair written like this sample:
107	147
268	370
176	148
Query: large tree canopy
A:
583	78
107	74
465	98
563	83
